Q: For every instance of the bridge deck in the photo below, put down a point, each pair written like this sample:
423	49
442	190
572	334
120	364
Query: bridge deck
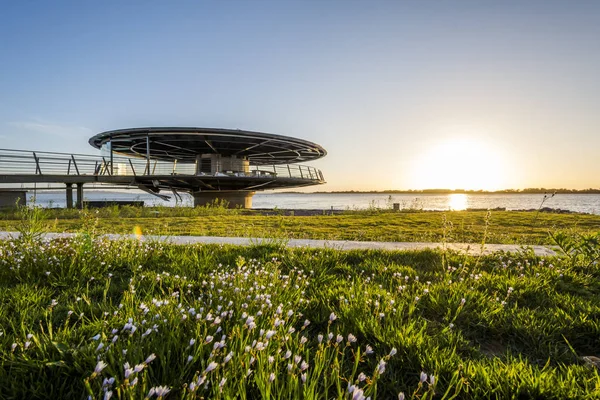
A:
18	167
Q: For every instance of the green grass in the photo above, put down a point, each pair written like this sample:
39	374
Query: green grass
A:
294	323
457	226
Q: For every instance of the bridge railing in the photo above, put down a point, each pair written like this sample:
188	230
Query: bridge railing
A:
24	162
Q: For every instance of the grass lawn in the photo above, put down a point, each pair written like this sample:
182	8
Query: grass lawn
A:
90	317
511	227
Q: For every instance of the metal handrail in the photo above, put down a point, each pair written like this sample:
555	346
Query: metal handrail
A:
23	162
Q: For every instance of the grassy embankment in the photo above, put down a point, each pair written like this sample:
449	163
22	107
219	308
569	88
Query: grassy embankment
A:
272	322
456	226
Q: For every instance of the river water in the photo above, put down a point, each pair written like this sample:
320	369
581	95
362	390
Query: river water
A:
586	203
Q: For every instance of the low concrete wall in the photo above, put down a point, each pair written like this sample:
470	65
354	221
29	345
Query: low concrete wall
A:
8	198
241	199
110	203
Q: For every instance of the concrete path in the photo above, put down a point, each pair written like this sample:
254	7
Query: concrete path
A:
471	248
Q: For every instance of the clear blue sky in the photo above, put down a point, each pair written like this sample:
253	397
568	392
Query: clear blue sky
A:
401	94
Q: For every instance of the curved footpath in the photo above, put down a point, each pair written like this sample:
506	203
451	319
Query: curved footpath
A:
470	248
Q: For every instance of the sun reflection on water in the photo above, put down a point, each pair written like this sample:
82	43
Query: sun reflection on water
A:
457	201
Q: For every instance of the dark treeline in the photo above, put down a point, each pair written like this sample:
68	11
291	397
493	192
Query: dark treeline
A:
463	191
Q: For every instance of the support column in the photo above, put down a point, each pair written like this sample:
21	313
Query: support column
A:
69	195
79	204
236	198
198	164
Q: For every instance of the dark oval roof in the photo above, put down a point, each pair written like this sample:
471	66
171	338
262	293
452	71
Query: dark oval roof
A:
183	144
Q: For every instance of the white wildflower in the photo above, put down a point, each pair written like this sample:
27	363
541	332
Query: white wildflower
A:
381	366
358	394
270	334
99	367
213	365
159	391
150	358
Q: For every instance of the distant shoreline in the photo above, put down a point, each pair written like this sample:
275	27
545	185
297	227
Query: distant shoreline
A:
313	212
388	192
459	191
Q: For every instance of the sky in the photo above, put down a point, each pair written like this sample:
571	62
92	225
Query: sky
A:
402	94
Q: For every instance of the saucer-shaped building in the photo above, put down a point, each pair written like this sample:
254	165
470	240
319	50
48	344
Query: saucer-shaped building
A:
209	163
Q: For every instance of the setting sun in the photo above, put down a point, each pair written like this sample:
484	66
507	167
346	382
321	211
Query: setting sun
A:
460	164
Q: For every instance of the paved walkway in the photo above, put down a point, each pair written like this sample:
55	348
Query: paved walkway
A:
471	248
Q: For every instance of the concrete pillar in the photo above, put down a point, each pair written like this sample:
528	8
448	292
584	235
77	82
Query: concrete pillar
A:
198	164
79	204
215	163
236	198
9	198
69	195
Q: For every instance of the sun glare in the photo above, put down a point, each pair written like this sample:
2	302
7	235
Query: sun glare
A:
459	164
457	201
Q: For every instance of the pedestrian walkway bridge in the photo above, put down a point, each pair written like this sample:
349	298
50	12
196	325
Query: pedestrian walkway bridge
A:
150	175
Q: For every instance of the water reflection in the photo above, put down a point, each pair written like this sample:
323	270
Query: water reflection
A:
457	201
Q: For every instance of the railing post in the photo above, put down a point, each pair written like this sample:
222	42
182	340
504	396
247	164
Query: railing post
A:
132	167
111	157
106	169
75	164
147	172
38	170
289	170
310	173
300	168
